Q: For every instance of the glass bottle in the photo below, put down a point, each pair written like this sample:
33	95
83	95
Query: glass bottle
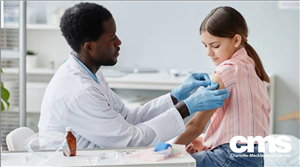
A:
71	140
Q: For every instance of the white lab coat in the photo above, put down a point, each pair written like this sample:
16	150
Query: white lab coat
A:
98	116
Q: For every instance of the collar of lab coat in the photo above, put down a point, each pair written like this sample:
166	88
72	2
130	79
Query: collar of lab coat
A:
77	65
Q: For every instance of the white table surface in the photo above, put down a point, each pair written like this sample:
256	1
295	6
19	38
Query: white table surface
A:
81	159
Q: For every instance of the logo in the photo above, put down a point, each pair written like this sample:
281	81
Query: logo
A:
279	145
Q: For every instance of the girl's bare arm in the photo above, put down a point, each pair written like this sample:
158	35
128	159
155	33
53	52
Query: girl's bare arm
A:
197	124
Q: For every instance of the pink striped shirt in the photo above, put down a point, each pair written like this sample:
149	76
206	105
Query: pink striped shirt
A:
246	111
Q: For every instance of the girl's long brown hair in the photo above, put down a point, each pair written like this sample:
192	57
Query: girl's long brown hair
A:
225	21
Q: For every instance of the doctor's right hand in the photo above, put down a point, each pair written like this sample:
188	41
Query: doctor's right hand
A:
206	99
194	81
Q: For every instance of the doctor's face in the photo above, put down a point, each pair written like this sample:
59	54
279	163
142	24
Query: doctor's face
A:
107	46
218	49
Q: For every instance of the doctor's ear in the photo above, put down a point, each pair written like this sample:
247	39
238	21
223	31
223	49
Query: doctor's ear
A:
237	40
88	46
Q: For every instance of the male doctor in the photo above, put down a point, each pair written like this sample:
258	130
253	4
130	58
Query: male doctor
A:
78	95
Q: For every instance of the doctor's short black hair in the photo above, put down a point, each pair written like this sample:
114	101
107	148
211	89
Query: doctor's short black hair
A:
82	23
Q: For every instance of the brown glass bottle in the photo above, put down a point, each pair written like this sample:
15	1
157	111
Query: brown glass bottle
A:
71	140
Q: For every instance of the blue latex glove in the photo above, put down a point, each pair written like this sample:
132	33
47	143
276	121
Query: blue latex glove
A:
206	99
213	84
194	81
162	146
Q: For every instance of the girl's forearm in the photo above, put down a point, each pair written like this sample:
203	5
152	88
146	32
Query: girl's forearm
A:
194	127
190	134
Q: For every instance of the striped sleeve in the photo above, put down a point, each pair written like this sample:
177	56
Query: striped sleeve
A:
228	72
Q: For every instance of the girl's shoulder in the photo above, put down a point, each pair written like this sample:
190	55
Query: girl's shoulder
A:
228	73
230	64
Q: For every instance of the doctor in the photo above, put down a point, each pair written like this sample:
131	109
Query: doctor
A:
78	95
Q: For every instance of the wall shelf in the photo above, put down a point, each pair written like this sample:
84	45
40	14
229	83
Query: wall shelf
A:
32	26
42	27
42	71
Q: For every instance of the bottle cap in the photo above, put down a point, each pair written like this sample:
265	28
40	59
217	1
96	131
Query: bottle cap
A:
68	129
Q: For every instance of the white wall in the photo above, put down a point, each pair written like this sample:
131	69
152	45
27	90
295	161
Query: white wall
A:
165	35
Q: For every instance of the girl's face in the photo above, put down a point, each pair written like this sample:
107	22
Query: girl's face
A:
219	49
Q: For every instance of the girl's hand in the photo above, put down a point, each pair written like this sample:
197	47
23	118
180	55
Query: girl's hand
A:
190	149
195	146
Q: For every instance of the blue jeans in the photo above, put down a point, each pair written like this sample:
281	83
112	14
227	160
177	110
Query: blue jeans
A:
222	156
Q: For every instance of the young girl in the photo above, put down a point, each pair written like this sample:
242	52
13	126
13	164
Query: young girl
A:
246	112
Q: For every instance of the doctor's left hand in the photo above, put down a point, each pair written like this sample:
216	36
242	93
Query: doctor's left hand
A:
195	80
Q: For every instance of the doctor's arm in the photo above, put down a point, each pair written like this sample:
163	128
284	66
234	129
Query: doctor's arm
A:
162	104
197	124
151	109
99	122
